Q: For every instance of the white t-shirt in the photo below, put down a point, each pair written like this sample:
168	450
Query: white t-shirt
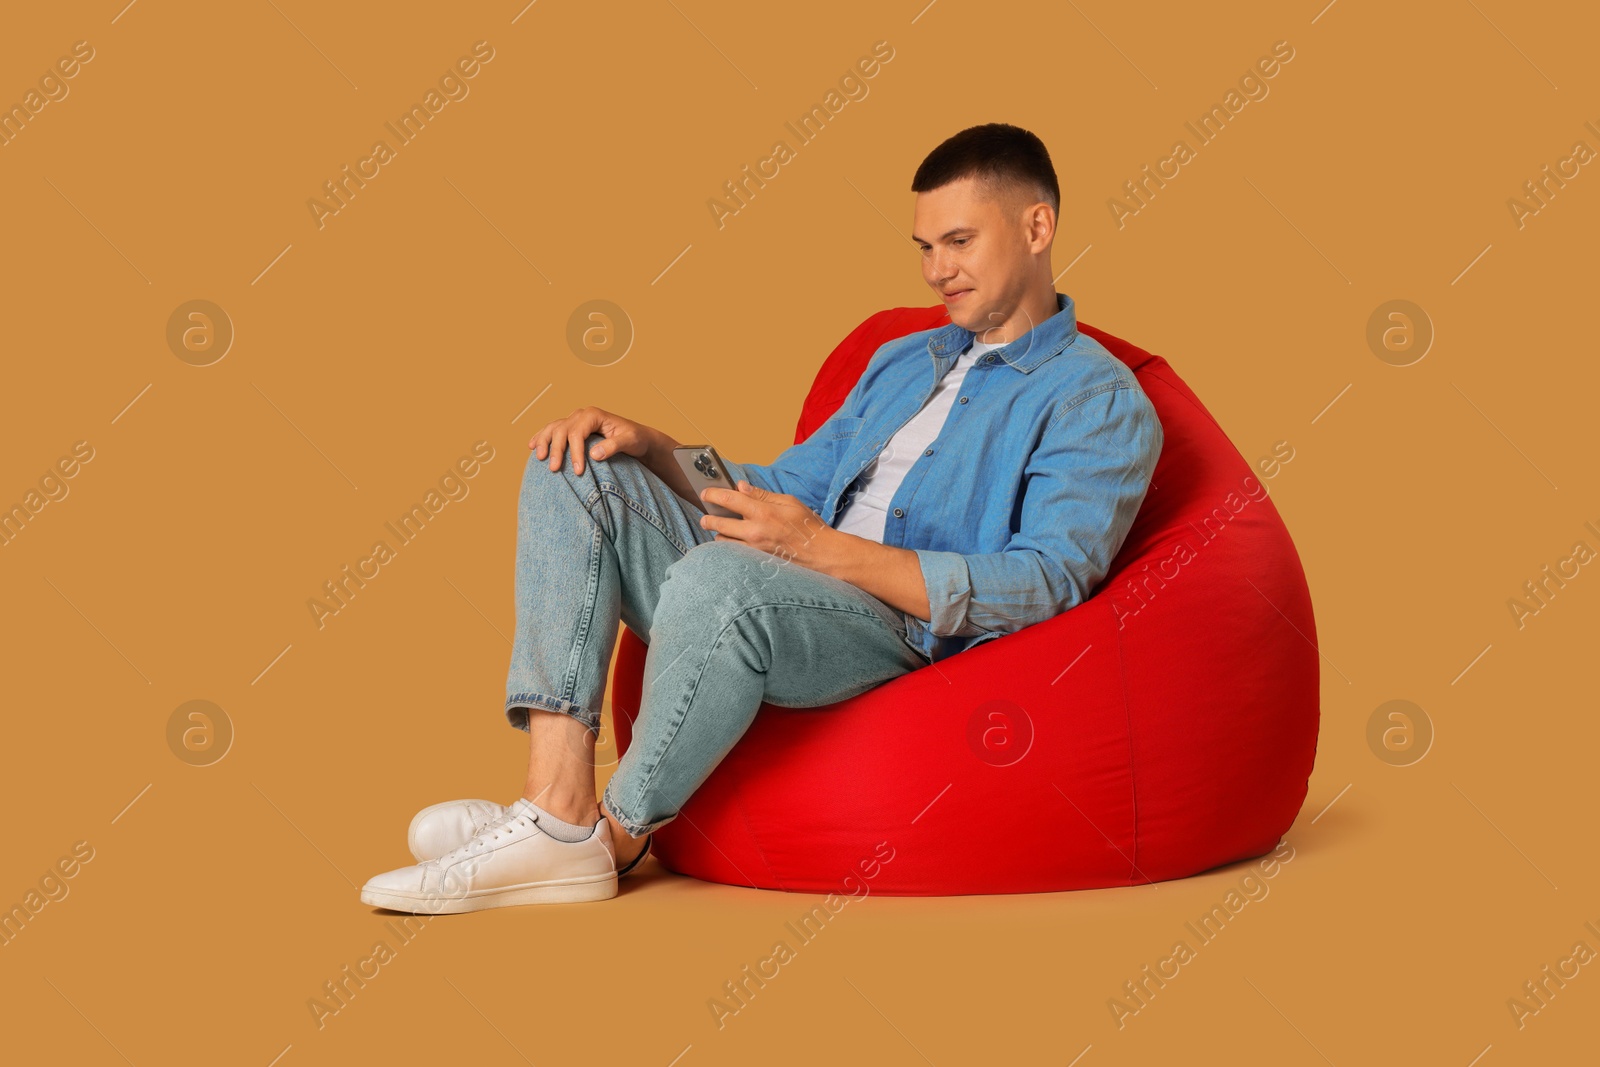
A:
867	511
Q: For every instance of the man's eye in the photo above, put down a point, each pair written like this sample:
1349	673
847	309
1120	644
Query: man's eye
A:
962	240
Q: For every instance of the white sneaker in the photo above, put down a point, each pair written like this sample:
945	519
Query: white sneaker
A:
441	827
509	861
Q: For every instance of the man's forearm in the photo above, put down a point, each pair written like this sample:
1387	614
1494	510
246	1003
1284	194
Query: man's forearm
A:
893	575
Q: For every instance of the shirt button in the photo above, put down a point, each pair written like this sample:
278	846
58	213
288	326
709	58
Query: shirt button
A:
898	512
929	452
963	400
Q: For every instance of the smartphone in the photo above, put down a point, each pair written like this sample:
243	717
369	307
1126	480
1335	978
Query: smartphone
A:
704	468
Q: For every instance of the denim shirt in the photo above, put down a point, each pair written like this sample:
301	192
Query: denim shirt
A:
1017	509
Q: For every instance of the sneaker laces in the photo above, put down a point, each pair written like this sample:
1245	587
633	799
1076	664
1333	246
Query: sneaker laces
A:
488	832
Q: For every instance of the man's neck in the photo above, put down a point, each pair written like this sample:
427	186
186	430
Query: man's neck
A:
1036	308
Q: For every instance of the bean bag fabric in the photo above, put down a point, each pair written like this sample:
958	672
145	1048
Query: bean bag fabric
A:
1164	726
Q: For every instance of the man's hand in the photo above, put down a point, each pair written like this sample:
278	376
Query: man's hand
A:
621	435
786	527
774	522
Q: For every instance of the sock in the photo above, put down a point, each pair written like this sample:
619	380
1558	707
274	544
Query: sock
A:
561	831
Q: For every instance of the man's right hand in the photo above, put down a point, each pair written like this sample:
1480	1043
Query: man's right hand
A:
621	435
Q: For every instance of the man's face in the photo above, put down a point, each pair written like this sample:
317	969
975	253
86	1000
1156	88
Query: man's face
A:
975	252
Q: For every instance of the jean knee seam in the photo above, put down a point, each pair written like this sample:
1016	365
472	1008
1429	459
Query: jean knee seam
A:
639	508
569	683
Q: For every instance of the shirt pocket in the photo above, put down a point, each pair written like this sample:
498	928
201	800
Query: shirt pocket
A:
843	428
845	437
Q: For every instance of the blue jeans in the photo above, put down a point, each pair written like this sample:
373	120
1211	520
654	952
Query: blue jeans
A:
729	626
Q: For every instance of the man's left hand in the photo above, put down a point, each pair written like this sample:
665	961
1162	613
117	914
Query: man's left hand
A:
775	522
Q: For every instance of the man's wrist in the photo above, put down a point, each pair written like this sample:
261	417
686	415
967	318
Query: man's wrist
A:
830	552
658	445
659	460
893	575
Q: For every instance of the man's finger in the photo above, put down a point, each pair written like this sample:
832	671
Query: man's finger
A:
725	497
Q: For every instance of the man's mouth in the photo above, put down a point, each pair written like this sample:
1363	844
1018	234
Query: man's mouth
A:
955	294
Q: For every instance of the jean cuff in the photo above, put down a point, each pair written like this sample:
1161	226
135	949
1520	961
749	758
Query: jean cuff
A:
635	829
519	704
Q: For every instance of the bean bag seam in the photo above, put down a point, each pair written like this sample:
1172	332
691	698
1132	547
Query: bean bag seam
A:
738	796
1192	401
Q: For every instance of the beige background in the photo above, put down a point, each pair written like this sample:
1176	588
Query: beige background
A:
432	312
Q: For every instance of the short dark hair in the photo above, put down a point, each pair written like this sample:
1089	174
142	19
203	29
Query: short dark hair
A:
1004	158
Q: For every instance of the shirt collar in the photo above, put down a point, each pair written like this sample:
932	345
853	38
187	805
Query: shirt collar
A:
1041	342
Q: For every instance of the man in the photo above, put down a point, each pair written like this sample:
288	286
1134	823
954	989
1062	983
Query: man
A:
978	478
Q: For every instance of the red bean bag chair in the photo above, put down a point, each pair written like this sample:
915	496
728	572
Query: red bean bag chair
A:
1165	726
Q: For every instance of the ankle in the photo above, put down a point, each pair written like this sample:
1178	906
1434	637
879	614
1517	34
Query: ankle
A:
619	833
574	808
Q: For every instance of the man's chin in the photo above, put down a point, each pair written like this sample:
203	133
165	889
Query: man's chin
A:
964	314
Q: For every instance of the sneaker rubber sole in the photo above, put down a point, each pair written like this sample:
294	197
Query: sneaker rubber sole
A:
564	891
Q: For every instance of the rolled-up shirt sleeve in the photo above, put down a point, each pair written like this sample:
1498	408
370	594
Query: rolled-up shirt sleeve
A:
1083	486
